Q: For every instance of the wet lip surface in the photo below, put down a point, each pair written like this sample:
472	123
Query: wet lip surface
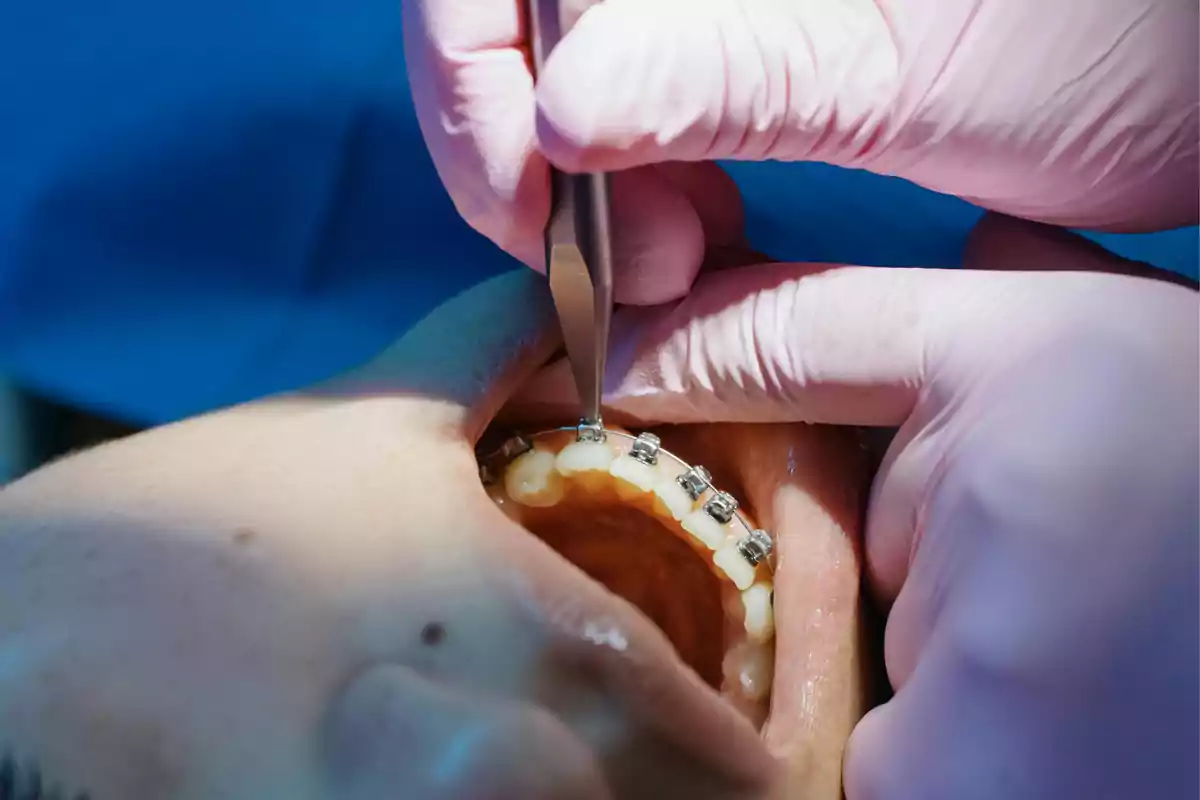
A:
677	719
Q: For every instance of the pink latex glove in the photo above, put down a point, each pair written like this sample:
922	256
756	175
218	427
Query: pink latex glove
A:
1034	524
1079	114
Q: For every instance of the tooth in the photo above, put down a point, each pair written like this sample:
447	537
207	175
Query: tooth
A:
673	497
584	457
708	524
752	667
702	526
759	614
731	561
532	480
758	673
631	471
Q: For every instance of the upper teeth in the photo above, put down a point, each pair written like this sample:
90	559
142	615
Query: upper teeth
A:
532	480
589	456
537	477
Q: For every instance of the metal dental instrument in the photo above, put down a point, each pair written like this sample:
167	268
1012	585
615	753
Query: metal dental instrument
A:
578	248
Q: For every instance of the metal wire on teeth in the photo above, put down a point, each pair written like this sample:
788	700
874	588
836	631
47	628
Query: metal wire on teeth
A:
25	782
757	546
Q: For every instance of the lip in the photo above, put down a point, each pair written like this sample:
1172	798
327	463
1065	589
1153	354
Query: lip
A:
615	679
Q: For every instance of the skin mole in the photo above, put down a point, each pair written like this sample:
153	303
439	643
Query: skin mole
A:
433	634
244	535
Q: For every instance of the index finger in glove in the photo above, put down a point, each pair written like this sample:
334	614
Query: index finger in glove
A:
825	343
473	88
768	343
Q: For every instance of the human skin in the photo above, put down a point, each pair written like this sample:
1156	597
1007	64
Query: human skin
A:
312	596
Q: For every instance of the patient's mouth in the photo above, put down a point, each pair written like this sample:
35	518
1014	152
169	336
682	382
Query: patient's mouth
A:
656	532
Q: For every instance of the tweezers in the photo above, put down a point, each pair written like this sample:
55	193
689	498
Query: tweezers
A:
578	246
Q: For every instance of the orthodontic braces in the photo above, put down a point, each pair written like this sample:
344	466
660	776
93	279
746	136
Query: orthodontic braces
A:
756	546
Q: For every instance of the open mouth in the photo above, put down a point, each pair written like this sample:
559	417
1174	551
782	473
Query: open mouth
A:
659	533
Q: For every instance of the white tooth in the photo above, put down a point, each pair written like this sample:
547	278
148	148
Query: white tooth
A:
674	497
584	457
710	532
629	469
531	479
730	560
753	667
760	616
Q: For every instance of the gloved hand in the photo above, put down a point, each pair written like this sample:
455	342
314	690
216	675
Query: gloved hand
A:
1033	525
1080	116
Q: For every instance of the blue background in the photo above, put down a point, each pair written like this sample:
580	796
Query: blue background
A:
202	202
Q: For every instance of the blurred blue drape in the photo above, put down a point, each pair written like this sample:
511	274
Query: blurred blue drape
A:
203	201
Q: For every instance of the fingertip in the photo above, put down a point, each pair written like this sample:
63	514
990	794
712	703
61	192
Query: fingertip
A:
473	96
658	239
580	102
532	255
573	153
865	770
626	87
716	198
